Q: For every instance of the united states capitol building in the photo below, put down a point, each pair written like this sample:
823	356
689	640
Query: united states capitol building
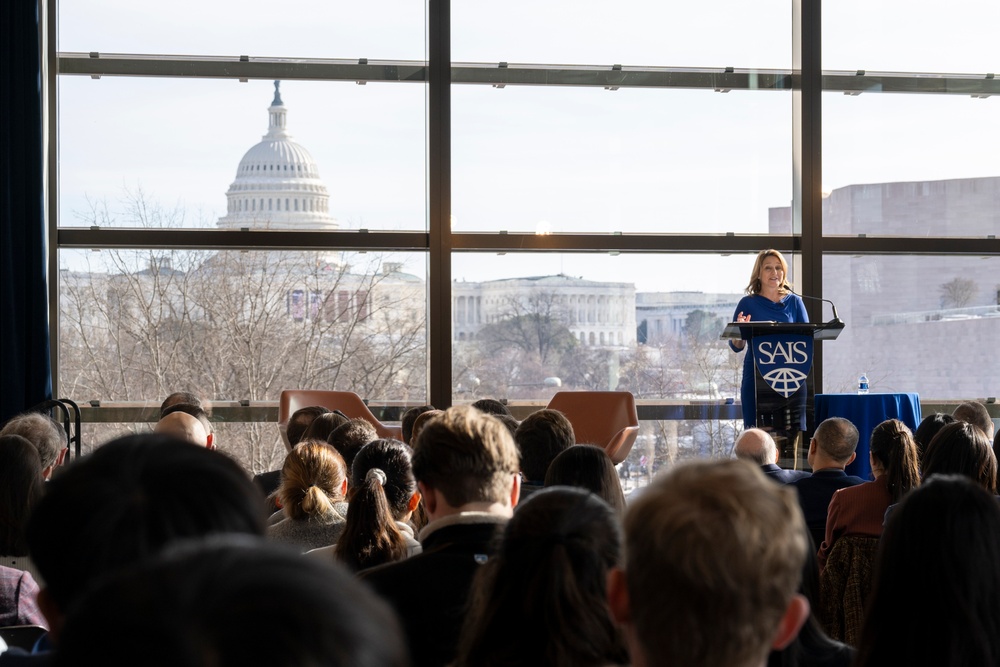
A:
894	333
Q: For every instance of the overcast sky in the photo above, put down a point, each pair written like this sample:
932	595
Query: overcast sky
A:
524	158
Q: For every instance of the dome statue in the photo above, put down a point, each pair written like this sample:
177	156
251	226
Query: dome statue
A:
277	183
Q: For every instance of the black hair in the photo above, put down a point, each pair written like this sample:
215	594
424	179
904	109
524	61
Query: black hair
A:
299	421
381	487
928	428
230	603
936	580
128	500
20	489
491	406
962	448
541	599
588	467
892	445
323	425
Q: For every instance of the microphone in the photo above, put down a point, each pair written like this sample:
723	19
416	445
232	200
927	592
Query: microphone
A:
836	318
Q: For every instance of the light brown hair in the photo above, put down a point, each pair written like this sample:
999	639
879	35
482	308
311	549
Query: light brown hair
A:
311	480
753	287
714	555
467	456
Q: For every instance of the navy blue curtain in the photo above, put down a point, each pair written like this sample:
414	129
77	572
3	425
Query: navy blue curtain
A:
25	372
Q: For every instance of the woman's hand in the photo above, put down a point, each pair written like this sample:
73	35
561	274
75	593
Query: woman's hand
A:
740	317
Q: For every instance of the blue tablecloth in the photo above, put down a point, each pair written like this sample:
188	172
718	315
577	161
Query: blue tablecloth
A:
866	411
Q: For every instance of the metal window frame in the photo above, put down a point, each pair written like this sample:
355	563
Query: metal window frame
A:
806	81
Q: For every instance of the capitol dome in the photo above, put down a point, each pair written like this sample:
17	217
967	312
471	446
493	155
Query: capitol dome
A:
277	183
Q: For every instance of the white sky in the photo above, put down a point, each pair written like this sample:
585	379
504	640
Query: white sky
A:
567	159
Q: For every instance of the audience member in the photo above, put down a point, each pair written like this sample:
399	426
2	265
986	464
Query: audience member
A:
928	428
18	599
466	468
492	406
961	448
421	421
510	422
540	437
996	447
179	397
831	450
311	495
349	438
937	580
323	425
47	436
409	417
541	600
21	486
296	427
588	467
383	496
124	503
976	414
232	603
714	555
812	647
860	510
757	446
188	423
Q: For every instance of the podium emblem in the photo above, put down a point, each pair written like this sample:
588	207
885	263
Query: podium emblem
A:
784	361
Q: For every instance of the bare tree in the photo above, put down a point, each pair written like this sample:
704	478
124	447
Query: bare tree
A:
958	292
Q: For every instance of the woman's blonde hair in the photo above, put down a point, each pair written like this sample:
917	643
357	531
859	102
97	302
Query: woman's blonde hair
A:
753	287
311	480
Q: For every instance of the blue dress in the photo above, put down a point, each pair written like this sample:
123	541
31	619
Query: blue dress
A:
762	309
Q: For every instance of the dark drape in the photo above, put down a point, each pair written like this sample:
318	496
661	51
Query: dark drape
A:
25	373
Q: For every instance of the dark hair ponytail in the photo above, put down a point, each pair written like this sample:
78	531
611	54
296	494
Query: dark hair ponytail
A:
893	446
382	485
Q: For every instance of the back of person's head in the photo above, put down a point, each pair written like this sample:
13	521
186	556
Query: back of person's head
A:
312	480
20	489
382	488
179	397
838	438
409	417
928	428
468	456
543	594
540	437
976	414
232	603
491	406
349	438
960	448
40	430
714	557
757	446
182	428
893	447
299	422
936	580
128	500
323	425
588	467
510	422
420	422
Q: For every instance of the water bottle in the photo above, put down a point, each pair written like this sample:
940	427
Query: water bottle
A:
863	384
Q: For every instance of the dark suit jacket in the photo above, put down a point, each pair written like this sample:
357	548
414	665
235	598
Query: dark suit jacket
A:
268	483
815	493
429	591
781	475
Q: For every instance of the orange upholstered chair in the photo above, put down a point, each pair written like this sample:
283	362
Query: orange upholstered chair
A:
346	401
604	418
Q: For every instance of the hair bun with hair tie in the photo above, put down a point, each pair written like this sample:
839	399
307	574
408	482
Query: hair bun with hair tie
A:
376	473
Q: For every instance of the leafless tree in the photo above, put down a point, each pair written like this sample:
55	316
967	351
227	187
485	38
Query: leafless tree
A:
958	292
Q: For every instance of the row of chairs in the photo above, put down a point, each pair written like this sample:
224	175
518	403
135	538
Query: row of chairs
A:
604	418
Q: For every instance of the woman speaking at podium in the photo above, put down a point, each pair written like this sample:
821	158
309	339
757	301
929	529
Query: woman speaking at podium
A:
769	299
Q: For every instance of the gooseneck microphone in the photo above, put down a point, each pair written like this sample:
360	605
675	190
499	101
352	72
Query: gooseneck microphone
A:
836	318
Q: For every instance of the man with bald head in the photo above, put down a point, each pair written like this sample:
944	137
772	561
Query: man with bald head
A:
184	427
757	446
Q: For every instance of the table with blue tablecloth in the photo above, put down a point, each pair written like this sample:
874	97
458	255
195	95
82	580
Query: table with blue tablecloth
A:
866	411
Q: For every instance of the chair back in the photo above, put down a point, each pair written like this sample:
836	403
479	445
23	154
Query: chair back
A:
607	419
346	401
844	586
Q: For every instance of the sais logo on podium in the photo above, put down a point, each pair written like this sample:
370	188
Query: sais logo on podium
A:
784	361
